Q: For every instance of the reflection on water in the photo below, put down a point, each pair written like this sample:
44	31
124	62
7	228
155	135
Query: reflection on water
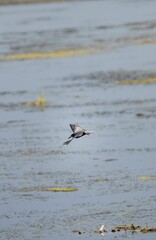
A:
111	91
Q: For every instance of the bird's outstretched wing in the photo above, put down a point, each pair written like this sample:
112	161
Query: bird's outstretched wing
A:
75	128
67	142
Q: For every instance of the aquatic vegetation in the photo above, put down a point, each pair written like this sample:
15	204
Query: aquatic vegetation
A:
48	189
146	41
127	228
149	80
41	101
132	228
61	189
51	54
146	229
102	180
147	178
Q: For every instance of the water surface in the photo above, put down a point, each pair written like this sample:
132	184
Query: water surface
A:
84	89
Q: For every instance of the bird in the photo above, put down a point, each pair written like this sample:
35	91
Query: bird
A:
77	133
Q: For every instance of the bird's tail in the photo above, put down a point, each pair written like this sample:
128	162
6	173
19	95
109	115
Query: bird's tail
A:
67	142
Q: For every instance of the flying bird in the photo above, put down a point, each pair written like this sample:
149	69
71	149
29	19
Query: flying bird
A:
77	133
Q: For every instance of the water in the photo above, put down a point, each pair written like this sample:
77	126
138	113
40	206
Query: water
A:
105	167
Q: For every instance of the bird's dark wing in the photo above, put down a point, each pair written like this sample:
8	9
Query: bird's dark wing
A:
67	142
75	128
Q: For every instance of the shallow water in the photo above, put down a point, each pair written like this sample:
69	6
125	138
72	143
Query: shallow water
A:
105	167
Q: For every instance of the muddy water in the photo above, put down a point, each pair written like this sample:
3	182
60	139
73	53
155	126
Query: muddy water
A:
112	169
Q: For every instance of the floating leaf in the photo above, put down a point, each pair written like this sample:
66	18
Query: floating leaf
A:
147	178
